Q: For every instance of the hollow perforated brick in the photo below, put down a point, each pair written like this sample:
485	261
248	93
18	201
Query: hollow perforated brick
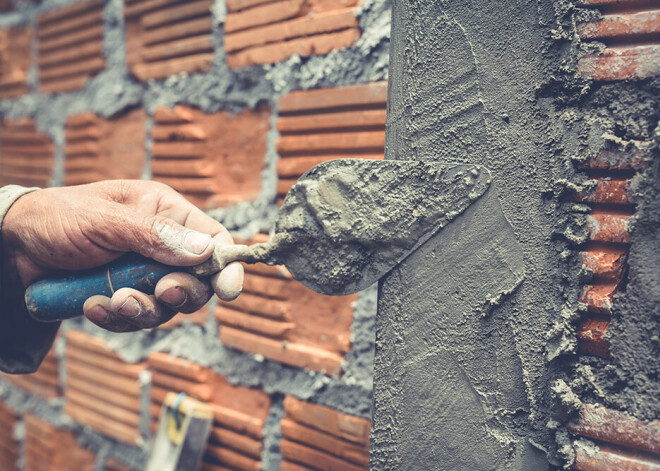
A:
44	382
279	318
48	448
630	31
621	441
266	31
102	391
617	428
9	445
325	124
27	154
14	60
318	437
236	438
166	37
70	46
101	149
213	159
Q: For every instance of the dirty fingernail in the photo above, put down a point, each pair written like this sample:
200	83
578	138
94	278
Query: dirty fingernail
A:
196	242
175	296
130	308
97	314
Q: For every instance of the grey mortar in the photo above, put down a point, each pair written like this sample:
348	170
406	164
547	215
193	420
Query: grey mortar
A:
271	456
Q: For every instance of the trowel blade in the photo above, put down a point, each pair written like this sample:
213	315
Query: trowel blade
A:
348	222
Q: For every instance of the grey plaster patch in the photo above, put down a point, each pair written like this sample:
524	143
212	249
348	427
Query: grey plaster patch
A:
271	457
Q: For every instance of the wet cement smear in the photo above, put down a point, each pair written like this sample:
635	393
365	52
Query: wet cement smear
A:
346	223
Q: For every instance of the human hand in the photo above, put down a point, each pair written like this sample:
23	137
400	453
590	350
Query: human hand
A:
80	227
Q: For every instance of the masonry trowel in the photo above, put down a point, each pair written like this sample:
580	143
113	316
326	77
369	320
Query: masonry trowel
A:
343	225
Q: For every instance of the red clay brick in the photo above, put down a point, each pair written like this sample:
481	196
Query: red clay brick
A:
265	32
103	391
15	55
279	318
368	141
319	44
325	124
608	226
358	454
70	46
613	459
316	459
367	95
27	154
617	428
609	192
99	149
635	62
48	448
604	261
44	382
591	337
298	27
211	168
344	426
263	14
598	297
239	412
622	26
616	159
165	37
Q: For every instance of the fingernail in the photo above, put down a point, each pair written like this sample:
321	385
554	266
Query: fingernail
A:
175	296
130	308
97	314
196	242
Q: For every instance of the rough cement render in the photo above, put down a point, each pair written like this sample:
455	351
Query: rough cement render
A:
628	114
494	84
113	92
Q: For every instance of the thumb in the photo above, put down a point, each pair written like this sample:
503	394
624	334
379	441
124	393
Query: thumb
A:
157	237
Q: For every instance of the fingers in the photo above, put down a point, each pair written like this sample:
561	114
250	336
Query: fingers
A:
158	237
98	310
128	310
182	292
228	283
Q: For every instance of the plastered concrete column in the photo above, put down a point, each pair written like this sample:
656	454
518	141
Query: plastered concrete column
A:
461	378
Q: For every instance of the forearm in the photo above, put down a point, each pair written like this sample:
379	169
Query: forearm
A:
23	341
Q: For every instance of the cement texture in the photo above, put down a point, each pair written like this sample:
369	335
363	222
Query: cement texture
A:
495	84
348	222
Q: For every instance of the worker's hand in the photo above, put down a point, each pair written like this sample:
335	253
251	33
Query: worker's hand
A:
85	226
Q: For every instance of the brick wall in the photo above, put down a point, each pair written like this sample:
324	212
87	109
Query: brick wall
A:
27	154
214	159
14	60
605	438
70	46
98	148
228	109
263	32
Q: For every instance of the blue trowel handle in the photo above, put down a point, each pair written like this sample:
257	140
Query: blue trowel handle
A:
63	297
